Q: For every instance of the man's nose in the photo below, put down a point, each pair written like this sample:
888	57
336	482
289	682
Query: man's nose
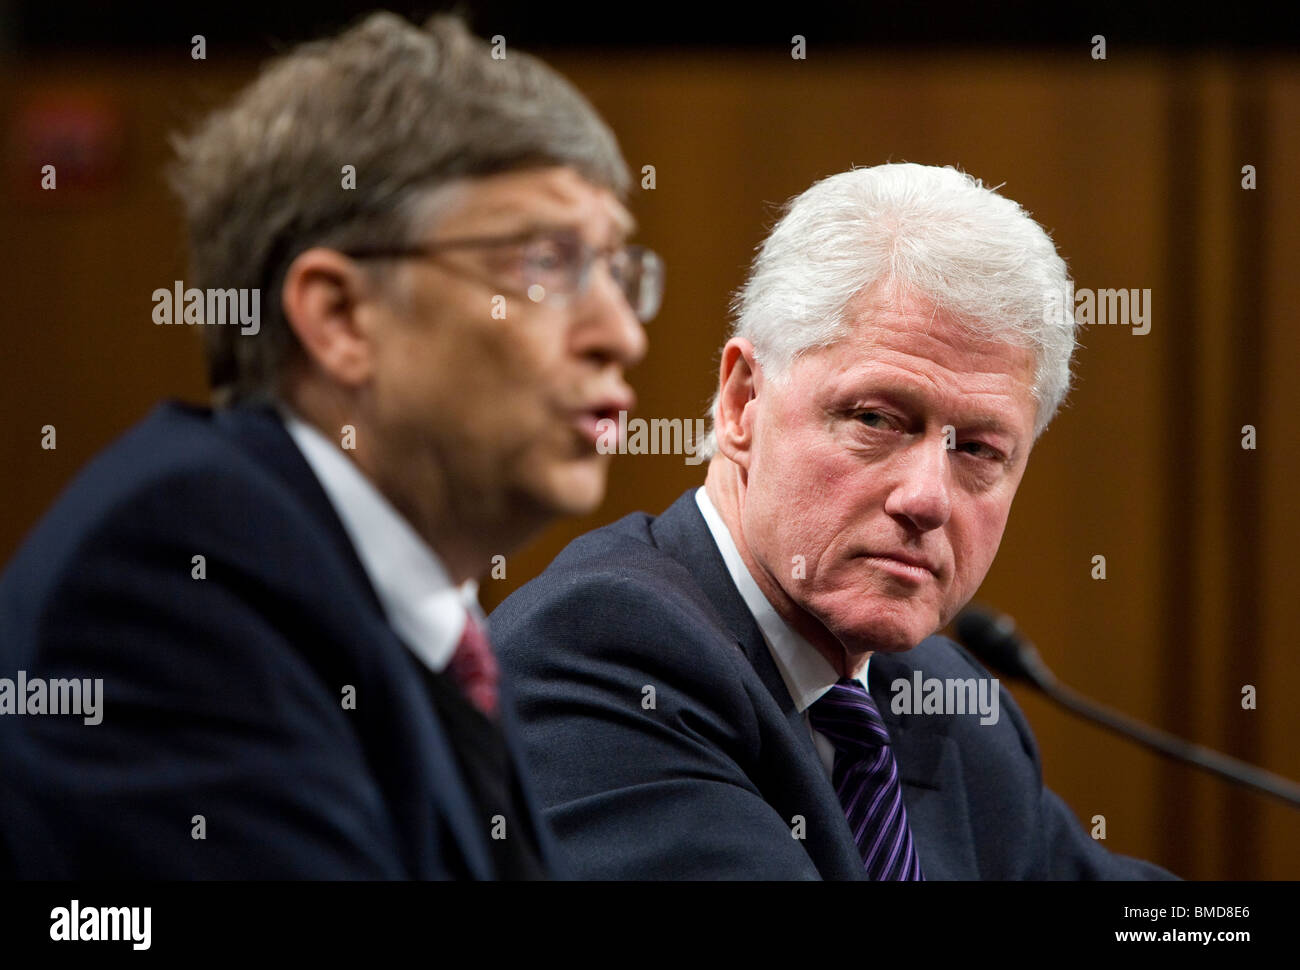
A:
922	492
605	326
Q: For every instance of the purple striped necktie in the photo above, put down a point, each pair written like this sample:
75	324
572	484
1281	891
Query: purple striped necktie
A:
865	776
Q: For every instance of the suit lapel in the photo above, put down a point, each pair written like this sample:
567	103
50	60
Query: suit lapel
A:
682	533
260	432
448	787
549	851
930	770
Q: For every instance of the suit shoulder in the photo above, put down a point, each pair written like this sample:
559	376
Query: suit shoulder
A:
175	449
615	593
617	564
173	481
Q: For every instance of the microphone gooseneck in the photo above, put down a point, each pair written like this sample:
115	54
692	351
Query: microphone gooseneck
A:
994	640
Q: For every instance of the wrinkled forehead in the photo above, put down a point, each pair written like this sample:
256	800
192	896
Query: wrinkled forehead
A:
884	322
921	359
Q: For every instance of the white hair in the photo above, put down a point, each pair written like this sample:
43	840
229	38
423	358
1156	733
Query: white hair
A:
934	232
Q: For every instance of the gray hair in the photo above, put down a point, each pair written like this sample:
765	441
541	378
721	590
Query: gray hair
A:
934	232
412	110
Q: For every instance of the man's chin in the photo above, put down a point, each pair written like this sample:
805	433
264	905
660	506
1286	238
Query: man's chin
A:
578	488
885	634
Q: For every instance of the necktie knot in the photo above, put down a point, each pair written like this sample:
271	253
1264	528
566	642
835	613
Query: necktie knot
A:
474	668
849	718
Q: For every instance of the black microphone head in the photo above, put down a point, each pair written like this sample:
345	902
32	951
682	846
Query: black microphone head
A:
994	640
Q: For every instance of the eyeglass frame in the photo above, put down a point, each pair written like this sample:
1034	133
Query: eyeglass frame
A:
588	255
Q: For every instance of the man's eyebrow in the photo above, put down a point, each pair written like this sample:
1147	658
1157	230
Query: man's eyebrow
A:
906	397
988	423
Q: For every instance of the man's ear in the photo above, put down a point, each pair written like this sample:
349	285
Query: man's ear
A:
323	290
739	381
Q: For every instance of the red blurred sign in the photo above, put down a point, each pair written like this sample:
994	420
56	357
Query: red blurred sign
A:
79	133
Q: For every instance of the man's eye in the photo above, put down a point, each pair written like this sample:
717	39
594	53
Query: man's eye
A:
874	419
979	449
549	256
545	259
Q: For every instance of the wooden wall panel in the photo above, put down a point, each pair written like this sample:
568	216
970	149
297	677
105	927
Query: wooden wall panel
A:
1278	715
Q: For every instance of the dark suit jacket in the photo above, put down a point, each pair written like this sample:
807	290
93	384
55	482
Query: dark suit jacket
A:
708	783
222	696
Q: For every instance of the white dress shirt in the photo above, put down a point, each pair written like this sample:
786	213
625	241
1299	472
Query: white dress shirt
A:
422	604
807	674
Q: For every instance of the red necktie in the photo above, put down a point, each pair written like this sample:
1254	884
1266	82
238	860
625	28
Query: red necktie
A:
474	668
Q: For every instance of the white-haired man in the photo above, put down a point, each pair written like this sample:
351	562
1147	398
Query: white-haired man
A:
695	685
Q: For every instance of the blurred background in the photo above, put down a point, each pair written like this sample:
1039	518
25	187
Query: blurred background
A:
1133	163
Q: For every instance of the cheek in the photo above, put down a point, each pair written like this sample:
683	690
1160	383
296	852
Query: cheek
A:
409	383
499	377
531	355
975	544
460	388
806	507
792	459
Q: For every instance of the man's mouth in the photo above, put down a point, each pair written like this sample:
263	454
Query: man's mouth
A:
597	421
904	565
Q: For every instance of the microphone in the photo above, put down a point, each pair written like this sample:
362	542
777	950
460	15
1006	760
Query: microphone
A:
995	641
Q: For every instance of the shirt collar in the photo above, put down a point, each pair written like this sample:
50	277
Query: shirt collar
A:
422	604
807	674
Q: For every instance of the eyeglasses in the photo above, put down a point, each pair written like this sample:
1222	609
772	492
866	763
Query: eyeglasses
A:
551	266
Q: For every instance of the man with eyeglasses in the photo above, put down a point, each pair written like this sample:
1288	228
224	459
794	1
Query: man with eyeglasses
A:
278	595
